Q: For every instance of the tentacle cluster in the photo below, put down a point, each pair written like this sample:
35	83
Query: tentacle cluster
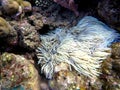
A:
83	47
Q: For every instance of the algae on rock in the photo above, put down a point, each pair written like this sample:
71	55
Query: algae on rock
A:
16	70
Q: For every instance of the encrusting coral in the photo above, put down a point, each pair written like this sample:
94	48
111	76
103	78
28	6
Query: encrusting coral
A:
83	47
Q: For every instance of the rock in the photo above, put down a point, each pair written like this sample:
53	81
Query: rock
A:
116	57
106	66
111	83
16	70
36	20
64	79
109	10
116	66
110	76
67	80
116	50
29	38
71	80
44	86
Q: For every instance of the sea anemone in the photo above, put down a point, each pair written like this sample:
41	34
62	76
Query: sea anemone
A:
83	47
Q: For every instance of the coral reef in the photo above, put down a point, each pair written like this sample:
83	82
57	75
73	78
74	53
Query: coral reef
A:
74	54
16	70
43	23
86	43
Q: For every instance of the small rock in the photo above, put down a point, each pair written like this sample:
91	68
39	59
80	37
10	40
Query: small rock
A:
29	38
36	20
116	50
116	65
16	70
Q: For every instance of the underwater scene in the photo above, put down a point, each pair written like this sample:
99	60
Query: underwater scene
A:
59	44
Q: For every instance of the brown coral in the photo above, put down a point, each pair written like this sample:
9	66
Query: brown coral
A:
16	7
7	32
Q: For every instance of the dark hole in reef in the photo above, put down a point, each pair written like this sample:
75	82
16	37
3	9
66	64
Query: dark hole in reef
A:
45	29
64	78
5	47
32	2
87	4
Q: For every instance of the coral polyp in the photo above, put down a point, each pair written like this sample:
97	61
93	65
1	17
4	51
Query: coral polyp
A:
83	47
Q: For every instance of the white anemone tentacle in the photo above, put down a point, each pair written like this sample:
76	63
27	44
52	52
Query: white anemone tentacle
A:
83	47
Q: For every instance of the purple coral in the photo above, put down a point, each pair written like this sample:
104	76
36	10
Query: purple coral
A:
70	4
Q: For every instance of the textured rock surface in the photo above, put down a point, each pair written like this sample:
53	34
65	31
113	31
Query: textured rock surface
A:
116	50
110	76
116	57
66	80
109	10
28	37
16	70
